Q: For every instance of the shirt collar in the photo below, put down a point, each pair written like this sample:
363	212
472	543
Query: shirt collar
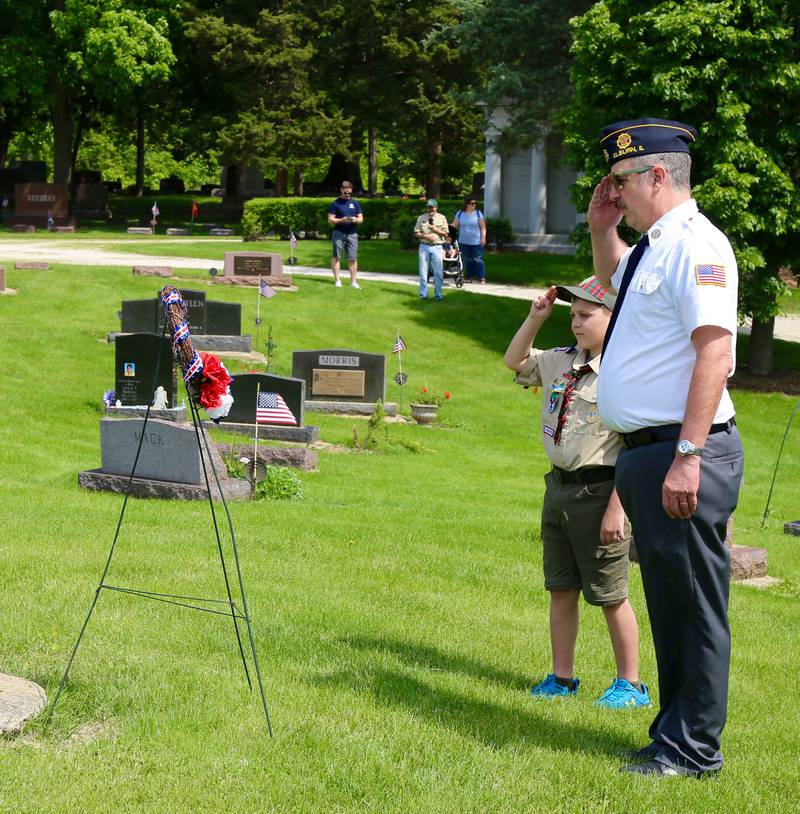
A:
593	363
666	223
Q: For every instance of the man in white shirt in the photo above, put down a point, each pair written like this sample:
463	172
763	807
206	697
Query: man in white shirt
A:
669	351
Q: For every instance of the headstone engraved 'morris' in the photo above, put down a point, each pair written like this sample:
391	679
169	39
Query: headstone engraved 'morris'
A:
137	357
341	375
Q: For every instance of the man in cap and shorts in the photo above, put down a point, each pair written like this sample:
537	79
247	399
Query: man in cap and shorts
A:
669	350
585	535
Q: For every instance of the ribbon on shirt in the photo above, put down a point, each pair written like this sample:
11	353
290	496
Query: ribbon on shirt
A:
574	377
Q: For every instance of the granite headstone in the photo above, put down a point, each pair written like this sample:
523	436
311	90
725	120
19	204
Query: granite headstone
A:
245	386
341	375
137	357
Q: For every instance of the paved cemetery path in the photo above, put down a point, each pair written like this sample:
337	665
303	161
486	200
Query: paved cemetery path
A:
95	252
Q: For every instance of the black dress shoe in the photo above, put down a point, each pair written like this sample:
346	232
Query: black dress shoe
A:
645	753
654	768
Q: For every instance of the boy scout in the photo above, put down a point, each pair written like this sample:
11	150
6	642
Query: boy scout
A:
585	535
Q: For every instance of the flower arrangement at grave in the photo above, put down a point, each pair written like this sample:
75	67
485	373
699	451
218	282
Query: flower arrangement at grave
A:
428	396
206	378
109	398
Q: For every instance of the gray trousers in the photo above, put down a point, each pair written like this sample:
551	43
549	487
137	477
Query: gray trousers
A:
686	576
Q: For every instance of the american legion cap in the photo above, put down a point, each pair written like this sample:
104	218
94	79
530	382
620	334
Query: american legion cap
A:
645	137
590	290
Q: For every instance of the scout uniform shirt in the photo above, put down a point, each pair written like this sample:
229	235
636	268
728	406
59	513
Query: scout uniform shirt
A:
439	222
585	440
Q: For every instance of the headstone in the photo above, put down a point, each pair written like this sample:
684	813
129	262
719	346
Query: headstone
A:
341	375
86	177
2	278
37	200
137	357
245	386
178	232
253	264
173	184
153	271
792	528
221	231
23	227
140	230
223	318
169	450
32	264
91	200
32	171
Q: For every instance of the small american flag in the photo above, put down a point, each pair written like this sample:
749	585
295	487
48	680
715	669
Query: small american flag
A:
266	290
272	409
708	274
399	345
154	210
292	239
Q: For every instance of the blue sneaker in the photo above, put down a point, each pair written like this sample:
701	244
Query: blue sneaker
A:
623	695
552	689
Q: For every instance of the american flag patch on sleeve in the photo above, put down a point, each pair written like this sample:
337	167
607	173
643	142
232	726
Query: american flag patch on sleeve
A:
708	274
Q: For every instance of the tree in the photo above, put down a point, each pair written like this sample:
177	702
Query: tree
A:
110	56
730	69
519	53
252	74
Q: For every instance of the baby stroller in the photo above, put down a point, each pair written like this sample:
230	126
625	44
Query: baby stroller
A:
452	265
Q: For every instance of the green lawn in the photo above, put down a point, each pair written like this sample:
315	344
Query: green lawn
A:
398	609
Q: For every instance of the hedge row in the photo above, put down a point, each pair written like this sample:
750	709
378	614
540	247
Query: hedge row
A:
263	215
395	217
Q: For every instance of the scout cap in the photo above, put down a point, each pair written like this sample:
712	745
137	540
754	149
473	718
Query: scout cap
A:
645	137
432	202
590	290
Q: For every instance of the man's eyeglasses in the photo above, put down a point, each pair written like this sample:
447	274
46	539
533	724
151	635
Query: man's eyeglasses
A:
471	203
618	178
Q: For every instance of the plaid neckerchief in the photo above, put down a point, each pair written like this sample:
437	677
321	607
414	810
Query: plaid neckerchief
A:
573	376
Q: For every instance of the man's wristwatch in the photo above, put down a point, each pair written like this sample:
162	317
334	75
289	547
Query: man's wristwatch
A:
687	448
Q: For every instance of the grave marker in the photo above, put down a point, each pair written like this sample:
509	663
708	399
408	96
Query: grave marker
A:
135	369
341	375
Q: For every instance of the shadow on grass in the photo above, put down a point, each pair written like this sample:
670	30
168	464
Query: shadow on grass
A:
423	655
489	723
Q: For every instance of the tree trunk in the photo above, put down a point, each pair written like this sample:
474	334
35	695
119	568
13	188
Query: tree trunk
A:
139	153
433	180
281	182
77	144
232	179
372	183
760	356
297	182
4	142
62	133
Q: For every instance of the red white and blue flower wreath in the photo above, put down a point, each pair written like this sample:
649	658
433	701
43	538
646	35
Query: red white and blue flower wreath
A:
206	378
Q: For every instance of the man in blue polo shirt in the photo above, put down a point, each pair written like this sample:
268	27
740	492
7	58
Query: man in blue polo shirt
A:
344	215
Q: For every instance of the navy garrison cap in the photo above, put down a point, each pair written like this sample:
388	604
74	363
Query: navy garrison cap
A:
645	137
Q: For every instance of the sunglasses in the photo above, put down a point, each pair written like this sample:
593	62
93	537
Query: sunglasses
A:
471	203
618	178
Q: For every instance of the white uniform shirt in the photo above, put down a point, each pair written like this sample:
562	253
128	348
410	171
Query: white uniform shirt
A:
686	278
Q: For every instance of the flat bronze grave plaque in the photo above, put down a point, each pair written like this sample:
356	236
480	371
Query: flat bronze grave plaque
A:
338	383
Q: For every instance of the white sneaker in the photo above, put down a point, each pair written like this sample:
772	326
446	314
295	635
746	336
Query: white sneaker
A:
338	284
354	285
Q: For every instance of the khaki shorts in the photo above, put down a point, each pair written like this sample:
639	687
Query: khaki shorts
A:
574	558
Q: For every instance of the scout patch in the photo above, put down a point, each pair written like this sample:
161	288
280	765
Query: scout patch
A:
708	274
592	415
557	388
548	431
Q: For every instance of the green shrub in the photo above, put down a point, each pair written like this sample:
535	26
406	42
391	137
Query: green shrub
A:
279	483
262	215
499	231
403	230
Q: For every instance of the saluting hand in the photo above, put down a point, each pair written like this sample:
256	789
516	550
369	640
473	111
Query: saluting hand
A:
542	306
603	212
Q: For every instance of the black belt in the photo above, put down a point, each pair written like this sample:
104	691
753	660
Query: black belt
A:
667	432
589	474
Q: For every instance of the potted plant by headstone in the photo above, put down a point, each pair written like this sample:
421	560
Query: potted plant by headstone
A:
426	404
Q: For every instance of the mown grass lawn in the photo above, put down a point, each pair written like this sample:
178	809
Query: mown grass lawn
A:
398	609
